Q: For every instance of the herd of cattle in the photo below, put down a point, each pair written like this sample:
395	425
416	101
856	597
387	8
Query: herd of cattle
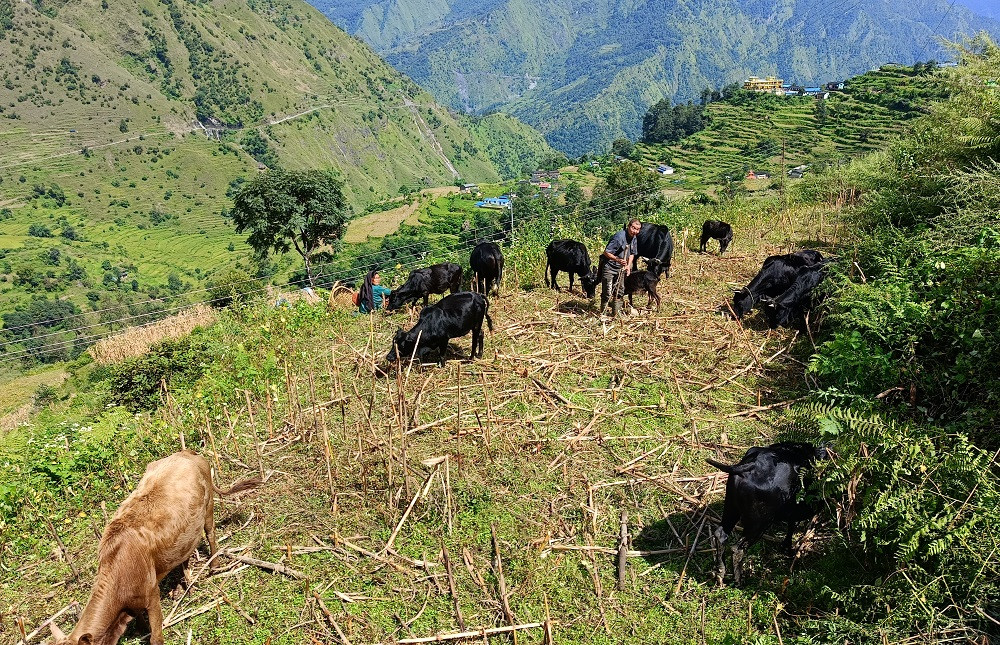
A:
159	525
783	287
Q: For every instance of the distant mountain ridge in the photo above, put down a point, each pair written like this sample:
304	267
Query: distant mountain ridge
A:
584	73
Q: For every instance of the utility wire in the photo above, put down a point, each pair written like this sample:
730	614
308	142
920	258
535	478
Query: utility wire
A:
630	199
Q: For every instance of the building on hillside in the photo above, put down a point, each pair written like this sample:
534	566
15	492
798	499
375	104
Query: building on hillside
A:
469	188
539	176
798	172
494	202
835	86
758	175
664	169
769	84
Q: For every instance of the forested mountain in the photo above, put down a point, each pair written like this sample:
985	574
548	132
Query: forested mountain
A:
124	123
584	73
989	8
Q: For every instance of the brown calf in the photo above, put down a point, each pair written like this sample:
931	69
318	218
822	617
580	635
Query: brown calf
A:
155	529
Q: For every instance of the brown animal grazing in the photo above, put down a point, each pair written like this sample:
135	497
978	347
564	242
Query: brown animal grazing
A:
155	529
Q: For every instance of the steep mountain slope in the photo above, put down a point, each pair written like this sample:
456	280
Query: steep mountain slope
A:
125	122
585	73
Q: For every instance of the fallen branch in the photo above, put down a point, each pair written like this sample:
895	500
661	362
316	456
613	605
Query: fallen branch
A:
622	551
48	621
191	613
329	618
270	566
480	633
764	408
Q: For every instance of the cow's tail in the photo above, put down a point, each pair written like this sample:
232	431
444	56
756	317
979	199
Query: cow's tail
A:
239	486
486	315
547	261
737	469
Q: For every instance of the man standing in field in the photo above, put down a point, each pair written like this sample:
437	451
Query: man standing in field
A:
616	264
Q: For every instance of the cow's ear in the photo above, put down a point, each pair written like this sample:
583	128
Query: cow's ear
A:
57	634
86	639
737	292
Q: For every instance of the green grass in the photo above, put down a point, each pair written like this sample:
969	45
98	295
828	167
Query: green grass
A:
636	400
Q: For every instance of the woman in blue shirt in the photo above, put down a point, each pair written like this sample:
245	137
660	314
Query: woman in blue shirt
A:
373	294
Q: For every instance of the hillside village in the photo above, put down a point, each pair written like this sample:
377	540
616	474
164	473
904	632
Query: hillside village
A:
193	274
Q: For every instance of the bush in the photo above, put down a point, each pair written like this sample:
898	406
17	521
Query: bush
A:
39	230
236	287
920	509
137	383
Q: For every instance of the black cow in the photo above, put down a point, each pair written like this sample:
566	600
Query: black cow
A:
761	490
436	278
487	266
775	276
790	307
654	243
572	257
453	316
716	230
644	282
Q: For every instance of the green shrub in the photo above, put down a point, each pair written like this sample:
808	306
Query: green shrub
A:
137	383
920	509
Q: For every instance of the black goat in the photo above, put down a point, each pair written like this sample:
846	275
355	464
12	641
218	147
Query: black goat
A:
762	489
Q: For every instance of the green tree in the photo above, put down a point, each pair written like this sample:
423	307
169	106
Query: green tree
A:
821	112
282	209
628	191
622	148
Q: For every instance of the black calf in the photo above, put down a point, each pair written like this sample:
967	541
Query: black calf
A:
762	489
453	316
436	278
643	282
572	257
716	230
487	265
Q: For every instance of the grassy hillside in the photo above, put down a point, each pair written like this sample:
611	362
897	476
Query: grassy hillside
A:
761	132
565	424
125	125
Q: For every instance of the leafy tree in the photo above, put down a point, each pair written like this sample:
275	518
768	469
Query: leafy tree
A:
573	194
628	191
39	230
260	149
665	124
281	209
821	112
622	148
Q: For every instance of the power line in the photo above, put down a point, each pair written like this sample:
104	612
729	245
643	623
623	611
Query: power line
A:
628	198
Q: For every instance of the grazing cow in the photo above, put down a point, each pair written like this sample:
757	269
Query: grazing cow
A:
453	316
777	274
487	266
716	230
155	529
790	307
654	243
643	282
763	489
436	278
572	257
